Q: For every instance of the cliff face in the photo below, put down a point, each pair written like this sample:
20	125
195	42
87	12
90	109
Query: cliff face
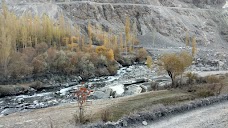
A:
169	20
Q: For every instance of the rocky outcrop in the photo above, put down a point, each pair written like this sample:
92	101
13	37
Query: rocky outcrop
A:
168	20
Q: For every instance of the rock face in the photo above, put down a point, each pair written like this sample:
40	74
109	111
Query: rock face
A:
169	20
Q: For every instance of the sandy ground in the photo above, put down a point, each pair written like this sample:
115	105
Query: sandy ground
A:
59	116
215	116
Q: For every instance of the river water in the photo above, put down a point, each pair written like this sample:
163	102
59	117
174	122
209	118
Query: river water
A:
57	96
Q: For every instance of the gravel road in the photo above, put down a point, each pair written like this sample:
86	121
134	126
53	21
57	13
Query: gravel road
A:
215	116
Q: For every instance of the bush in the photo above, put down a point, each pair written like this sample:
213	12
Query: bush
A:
141	55
36	85
60	61
100	61
39	63
106	116
212	79
191	77
110	55
205	93
6	90
41	48
85	67
206	90
18	65
112	67
30	52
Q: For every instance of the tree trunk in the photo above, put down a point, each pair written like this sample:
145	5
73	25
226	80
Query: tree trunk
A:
172	77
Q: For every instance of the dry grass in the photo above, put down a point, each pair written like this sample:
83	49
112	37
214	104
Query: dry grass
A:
106	115
148	101
225	87
62	116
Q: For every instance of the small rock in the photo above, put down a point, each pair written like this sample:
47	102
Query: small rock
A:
129	70
113	95
65	85
144	123
53	102
144	88
42	105
79	78
35	102
1	126
57	92
124	123
20	100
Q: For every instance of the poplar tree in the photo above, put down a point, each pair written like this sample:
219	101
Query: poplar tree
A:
149	61
121	42
127	33
90	34
194	49
187	39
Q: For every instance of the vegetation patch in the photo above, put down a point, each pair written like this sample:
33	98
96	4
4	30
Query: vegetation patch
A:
39	45
146	101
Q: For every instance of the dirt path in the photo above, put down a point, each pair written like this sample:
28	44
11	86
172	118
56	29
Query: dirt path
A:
215	116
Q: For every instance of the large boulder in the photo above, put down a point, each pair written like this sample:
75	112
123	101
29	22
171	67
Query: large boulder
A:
98	95
118	89
133	89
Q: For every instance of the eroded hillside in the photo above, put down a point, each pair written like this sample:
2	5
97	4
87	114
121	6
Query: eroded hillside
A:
170	21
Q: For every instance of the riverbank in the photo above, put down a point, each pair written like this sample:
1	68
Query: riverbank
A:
62	116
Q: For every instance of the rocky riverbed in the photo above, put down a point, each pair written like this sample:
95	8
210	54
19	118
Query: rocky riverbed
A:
129	80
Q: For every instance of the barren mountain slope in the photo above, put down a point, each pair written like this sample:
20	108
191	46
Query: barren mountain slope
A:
168	20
